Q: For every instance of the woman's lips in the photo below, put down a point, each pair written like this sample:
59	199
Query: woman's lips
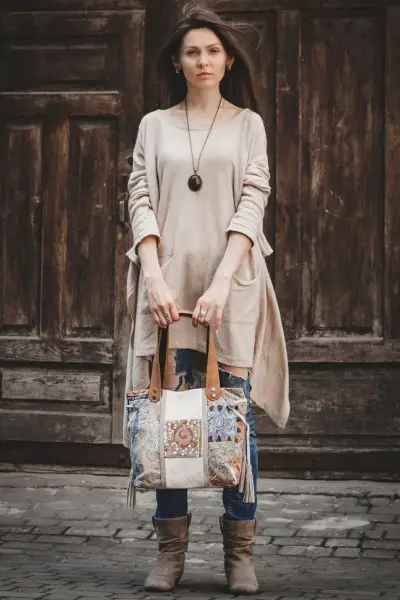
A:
204	75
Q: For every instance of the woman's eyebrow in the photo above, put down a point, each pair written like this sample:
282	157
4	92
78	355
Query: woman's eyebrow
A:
197	47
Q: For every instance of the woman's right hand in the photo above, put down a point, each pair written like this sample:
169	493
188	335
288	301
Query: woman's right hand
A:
164	307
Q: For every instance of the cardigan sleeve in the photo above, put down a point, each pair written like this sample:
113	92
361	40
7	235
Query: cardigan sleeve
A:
141	213
248	218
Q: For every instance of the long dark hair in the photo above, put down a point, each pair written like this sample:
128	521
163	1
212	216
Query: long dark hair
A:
236	85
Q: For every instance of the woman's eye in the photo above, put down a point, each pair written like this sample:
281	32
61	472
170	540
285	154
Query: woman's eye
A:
215	50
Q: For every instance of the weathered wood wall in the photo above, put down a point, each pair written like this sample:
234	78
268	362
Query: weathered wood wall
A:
75	78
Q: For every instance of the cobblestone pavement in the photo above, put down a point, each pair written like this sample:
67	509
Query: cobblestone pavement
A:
69	537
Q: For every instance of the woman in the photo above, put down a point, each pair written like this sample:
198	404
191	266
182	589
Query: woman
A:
197	194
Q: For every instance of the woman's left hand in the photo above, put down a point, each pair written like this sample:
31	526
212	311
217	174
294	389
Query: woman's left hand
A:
211	304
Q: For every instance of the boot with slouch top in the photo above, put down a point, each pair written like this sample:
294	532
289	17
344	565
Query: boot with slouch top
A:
238	538
173	540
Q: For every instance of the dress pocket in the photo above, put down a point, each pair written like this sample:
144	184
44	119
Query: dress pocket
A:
244	298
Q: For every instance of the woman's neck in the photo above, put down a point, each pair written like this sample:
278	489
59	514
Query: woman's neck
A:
202	101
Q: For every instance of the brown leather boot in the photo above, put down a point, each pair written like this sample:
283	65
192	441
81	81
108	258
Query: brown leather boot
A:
238	537
173	540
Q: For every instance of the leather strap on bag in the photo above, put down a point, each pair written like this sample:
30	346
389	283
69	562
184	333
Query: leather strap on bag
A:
213	387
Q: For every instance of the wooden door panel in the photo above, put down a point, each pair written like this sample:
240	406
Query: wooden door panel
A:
20	252
341	400
90	229
392	183
65	65
342	175
70	112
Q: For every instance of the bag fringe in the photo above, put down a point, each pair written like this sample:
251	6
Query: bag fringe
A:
249	495
131	493
246	481
243	472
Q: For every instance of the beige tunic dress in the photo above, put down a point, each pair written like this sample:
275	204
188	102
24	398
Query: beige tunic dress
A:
192	229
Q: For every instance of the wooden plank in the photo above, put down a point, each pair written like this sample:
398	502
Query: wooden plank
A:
288	161
132	63
158	13
43	426
65	24
319	441
392	153
101	351
21	220
280	464
54	385
69	5
265	61
55	224
62	64
342	174
89	276
346	400
37	104
342	350
28	349
263	5
310	463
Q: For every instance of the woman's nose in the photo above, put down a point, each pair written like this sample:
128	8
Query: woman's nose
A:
203	60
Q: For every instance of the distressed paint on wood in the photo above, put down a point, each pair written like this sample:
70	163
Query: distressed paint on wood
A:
82	90
56	426
96	104
132	74
67	65
73	5
342	174
20	219
392	202
55	196
346	400
16	348
313	53
44	385
90	243
288	164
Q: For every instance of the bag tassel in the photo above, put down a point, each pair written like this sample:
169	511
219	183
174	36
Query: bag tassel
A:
131	493
242	473
249	495
246	481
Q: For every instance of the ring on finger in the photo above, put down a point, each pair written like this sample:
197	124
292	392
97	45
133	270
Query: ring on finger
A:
202	314
167	316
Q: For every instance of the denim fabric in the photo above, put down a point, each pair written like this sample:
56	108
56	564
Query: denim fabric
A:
174	503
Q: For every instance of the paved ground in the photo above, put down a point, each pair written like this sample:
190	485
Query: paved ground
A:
69	537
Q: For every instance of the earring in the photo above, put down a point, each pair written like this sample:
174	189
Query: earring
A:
177	70
229	67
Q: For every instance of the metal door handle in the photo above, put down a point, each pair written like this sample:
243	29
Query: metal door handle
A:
123	214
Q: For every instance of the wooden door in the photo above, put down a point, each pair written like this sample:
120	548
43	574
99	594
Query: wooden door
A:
327	79
70	103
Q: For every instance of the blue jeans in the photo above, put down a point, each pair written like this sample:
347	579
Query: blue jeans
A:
174	503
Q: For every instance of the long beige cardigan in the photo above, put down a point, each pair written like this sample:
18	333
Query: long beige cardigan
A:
269	377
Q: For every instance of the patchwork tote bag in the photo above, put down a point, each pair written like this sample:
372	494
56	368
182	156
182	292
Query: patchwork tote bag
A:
196	438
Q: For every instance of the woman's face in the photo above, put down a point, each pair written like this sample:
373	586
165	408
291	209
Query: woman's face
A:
202	58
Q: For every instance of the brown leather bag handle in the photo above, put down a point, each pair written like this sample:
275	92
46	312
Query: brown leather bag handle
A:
213	387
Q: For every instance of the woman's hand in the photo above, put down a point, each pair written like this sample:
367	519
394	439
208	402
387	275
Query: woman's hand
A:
163	305
211	304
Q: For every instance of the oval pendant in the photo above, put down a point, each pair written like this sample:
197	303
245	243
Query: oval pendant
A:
195	182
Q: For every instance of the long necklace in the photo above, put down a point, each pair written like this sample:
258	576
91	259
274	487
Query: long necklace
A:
195	181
